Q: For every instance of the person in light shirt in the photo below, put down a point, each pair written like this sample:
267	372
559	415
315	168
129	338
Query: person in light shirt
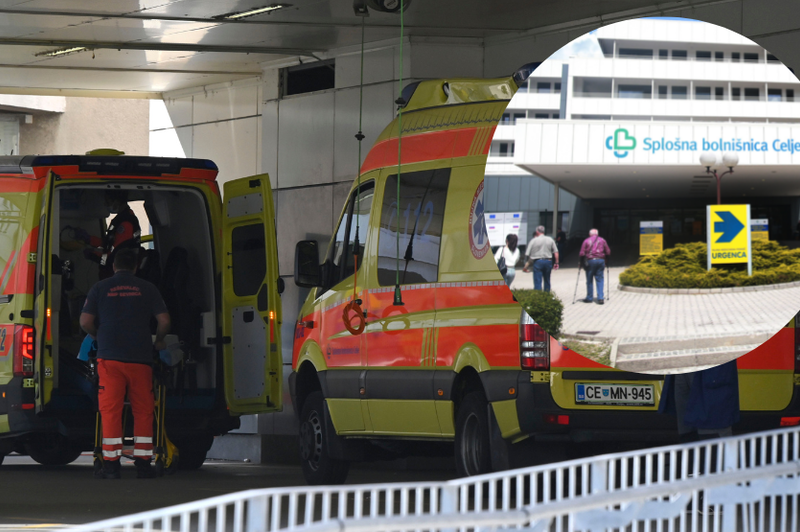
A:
542	254
511	254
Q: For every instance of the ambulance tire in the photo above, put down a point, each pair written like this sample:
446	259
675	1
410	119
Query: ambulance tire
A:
319	467
472	444
192	451
53	450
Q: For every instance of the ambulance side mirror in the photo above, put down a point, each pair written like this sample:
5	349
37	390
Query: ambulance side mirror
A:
306	264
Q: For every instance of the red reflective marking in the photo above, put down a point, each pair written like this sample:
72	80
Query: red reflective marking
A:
28	406
19	183
422	147
561	357
21	278
776	353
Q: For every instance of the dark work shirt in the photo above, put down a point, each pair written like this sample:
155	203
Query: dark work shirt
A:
123	305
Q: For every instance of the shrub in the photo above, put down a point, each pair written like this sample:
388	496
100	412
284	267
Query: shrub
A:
544	307
684	266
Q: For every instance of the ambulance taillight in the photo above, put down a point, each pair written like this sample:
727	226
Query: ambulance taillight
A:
534	345
23	351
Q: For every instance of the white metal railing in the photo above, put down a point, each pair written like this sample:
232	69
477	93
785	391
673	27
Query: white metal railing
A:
743	483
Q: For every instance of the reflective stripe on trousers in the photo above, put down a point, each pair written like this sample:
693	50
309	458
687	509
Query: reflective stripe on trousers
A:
117	378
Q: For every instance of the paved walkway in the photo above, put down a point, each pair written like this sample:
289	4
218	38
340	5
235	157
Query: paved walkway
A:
705	329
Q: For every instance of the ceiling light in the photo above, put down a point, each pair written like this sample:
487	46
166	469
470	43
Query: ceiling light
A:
253	12
62	51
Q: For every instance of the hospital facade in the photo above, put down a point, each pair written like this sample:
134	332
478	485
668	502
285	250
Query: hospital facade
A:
616	138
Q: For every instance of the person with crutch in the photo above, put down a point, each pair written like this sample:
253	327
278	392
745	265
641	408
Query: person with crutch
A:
594	251
117	315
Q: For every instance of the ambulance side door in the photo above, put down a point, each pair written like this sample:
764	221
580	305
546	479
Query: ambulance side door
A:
45	363
251	306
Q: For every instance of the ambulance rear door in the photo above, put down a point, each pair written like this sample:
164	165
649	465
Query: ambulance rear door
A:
45	361
251	306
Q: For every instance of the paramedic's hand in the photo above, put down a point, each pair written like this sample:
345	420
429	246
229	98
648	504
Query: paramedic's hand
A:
158	345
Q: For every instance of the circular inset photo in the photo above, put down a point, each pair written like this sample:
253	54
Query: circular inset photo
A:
647	178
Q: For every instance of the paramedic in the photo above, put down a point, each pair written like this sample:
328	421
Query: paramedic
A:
594	251
123	231
117	314
542	253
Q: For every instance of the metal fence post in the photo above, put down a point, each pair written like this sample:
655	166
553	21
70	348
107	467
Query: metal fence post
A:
448	499
257	514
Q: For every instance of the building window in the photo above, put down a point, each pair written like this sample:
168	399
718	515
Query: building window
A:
703	56
752	94
502	149
702	93
557	88
506	119
774	95
663	54
719	56
662	92
635	53
542	115
750	58
772	59
789	95
719	93
524	86
736	93
309	77
635	91
679	55
679	93
735	57
543	87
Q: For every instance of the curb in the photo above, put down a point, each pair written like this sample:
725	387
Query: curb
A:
696	291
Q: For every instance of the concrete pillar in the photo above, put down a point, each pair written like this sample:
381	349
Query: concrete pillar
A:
555	207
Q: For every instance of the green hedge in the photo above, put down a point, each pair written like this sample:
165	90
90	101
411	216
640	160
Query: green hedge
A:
544	307
684	266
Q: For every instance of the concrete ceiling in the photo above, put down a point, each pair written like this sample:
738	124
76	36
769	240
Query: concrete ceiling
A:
141	48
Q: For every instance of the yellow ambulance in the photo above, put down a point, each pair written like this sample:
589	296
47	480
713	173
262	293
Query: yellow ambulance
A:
215	263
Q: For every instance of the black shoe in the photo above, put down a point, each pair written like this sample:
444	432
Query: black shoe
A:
144	469
110	470
600	302
587	300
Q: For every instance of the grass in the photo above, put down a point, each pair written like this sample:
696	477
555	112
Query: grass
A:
684	266
598	351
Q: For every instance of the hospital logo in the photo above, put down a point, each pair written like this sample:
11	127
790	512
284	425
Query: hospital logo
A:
621	142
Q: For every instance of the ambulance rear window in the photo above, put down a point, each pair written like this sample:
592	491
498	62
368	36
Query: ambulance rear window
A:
422	201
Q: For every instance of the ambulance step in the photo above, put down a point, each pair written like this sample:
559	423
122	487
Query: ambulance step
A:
663	361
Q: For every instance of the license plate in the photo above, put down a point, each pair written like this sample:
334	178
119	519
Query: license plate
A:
614	394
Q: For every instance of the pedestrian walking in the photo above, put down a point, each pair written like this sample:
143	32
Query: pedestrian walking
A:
542	254
561	240
594	251
507	257
117	315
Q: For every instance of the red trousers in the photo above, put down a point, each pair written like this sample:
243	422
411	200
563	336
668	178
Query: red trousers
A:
117	378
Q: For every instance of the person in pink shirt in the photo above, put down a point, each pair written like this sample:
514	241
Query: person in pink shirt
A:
594	251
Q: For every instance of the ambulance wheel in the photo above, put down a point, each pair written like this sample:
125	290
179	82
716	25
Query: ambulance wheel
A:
192	451
318	466
52	450
472	436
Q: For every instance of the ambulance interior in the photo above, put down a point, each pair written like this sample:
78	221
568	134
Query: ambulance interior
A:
179	260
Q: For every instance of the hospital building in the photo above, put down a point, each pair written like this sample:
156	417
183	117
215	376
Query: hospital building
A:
614	137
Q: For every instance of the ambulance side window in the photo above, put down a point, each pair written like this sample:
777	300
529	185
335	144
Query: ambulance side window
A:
422	200
340	256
